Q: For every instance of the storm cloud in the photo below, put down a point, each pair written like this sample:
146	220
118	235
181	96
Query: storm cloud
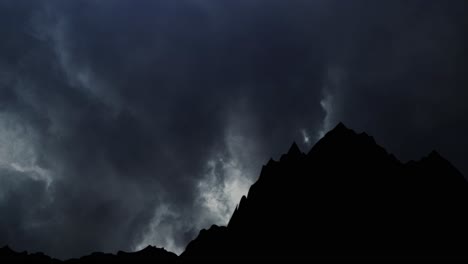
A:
129	123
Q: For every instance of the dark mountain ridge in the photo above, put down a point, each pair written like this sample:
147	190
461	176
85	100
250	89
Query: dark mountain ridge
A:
149	254
346	199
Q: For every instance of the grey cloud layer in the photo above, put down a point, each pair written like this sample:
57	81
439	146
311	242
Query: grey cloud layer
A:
141	122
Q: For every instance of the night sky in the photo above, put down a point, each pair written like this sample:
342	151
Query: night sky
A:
126	123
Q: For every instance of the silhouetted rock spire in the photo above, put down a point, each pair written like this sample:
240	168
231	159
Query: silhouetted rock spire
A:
294	150
293	153
340	127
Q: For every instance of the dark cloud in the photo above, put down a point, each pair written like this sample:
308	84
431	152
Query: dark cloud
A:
403	79
131	123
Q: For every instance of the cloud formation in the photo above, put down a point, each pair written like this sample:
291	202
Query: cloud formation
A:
137	123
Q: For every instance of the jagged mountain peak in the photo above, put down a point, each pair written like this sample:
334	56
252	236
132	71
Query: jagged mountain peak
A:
293	153
348	199
340	129
341	126
344	141
294	150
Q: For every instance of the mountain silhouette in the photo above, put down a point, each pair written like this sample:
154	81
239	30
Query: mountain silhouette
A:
149	254
346	199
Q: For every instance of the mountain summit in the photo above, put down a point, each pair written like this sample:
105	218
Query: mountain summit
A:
346	199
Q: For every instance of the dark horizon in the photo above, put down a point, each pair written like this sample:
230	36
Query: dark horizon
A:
155	117
364	204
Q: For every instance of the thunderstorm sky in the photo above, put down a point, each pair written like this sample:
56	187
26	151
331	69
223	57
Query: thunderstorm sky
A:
127	123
